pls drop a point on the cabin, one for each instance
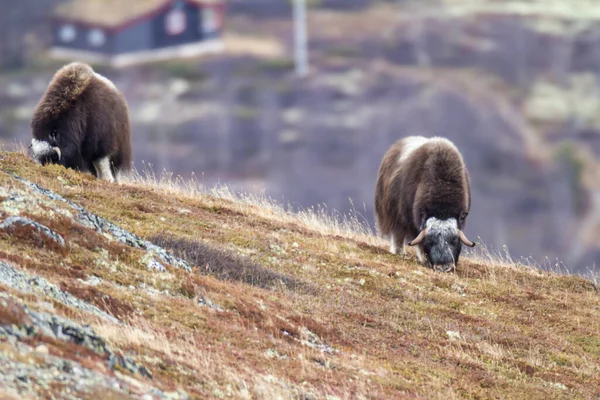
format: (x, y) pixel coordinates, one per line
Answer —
(125, 32)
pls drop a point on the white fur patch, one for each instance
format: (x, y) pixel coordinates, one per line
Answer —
(393, 247)
(443, 227)
(102, 166)
(40, 147)
(412, 143)
(106, 81)
(441, 140)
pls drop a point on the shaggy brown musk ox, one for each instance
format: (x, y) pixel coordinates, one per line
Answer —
(82, 122)
(423, 193)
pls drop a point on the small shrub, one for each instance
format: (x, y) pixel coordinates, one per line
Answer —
(225, 265)
(277, 65)
(184, 70)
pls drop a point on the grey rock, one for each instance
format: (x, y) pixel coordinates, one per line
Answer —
(91, 280)
(312, 340)
(10, 222)
(206, 302)
(27, 380)
(71, 332)
(152, 264)
(22, 281)
(100, 224)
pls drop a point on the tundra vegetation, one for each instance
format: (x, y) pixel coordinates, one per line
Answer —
(257, 302)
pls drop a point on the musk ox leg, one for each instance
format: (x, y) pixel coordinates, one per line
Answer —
(103, 171)
(121, 176)
(393, 246)
(421, 254)
(397, 240)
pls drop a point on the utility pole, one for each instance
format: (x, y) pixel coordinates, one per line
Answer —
(300, 38)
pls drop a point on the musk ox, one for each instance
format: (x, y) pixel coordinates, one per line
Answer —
(82, 122)
(422, 198)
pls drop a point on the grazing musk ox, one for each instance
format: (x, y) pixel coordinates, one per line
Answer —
(82, 122)
(422, 194)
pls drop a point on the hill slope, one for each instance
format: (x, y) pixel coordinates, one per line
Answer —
(256, 303)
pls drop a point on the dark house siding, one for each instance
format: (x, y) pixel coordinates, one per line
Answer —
(191, 33)
(208, 34)
(137, 37)
(147, 33)
(81, 39)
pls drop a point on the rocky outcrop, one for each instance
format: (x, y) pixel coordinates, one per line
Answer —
(41, 349)
(101, 225)
(25, 283)
(34, 336)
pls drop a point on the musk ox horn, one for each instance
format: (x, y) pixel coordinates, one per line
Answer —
(419, 238)
(57, 150)
(464, 239)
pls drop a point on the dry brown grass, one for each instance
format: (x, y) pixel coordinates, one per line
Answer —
(253, 46)
(377, 326)
(318, 220)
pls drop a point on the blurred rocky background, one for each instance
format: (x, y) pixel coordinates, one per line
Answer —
(515, 84)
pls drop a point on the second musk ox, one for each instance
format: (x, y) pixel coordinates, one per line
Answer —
(422, 198)
(82, 122)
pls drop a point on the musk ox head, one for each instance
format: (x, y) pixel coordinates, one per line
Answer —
(53, 145)
(46, 151)
(440, 242)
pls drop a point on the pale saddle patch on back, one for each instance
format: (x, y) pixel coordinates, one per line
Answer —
(106, 81)
(102, 166)
(411, 143)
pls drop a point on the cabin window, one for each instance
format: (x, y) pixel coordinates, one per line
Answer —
(67, 33)
(175, 22)
(210, 20)
(97, 37)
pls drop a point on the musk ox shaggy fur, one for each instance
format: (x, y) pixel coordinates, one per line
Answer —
(422, 198)
(82, 122)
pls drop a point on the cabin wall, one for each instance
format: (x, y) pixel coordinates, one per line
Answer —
(179, 24)
(210, 24)
(81, 37)
(137, 37)
(191, 33)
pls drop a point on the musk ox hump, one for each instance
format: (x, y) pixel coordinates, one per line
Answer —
(64, 89)
(412, 143)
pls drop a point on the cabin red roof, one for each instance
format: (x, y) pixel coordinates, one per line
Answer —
(115, 13)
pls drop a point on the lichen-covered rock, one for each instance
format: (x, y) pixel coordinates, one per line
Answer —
(25, 373)
(10, 223)
(23, 282)
(100, 224)
(34, 323)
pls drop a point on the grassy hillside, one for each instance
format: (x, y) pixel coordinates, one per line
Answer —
(257, 303)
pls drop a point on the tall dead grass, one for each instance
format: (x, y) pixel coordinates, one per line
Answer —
(319, 219)
(326, 222)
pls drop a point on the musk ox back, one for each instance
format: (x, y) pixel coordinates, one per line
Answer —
(422, 198)
(82, 122)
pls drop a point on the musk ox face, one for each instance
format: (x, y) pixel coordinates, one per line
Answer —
(440, 242)
(46, 151)
(48, 146)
